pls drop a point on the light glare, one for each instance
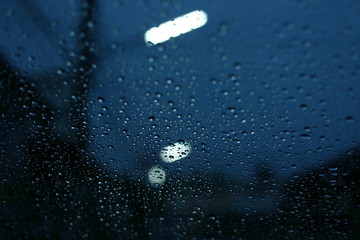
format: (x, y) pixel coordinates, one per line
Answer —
(157, 175)
(176, 27)
(175, 152)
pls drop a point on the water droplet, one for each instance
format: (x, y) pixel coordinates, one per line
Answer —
(305, 136)
(349, 119)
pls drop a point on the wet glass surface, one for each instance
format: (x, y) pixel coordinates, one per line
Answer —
(231, 120)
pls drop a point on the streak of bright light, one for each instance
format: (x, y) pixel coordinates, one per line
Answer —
(174, 28)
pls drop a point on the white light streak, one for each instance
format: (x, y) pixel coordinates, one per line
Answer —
(176, 27)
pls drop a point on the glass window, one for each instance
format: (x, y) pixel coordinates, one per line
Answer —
(180, 119)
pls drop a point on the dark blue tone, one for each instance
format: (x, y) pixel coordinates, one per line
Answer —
(267, 94)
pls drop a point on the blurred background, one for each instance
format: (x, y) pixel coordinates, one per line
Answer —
(245, 128)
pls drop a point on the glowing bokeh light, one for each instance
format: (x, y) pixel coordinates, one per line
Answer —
(175, 151)
(176, 27)
(157, 175)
